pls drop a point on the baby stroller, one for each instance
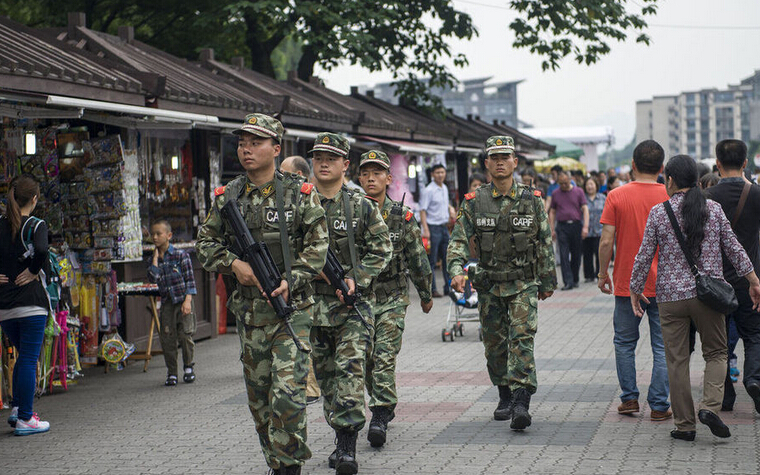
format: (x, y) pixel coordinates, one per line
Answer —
(460, 302)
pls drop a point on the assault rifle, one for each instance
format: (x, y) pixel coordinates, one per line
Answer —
(257, 255)
(336, 275)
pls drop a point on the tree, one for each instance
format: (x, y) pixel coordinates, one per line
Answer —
(409, 38)
(555, 29)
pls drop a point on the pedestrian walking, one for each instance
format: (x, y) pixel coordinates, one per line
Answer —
(624, 218)
(740, 201)
(569, 218)
(285, 214)
(595, 202)
(434, 220)
(340, 337)
(689, 228)
(172, 270)
(24, 304)
(392, 291)
(515, 270)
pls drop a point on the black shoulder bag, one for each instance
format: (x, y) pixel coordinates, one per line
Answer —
(715, 293)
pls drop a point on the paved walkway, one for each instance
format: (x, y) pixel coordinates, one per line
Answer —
(128, 423)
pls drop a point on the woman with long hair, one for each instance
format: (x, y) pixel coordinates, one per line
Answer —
(707, 232)
(23, 302)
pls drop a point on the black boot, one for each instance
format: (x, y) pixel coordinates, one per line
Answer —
(504, 410)
(345, 463)
(378, 426)
(291, 470)
(520, 416)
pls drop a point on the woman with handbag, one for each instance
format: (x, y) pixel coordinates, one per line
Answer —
(690, 233)
(23, 301)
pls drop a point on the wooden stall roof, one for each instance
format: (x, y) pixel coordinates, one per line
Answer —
(31, 60)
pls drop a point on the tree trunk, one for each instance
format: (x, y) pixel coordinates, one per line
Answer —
(261, 49)
(306, 63)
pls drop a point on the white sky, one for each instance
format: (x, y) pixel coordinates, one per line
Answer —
(678, 59)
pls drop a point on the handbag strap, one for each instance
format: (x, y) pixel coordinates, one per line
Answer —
(681, 240)
(740, 206)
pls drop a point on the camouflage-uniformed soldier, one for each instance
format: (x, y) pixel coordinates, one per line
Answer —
(516, 268)
(340, 337)
(392, 292)
(273, 366)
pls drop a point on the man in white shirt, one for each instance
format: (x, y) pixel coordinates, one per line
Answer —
(434, 217)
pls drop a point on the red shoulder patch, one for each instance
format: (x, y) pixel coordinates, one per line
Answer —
(219, 191)
(306, 188)
(408, 216)
(537, 193)
(469, 196)
(371, 198)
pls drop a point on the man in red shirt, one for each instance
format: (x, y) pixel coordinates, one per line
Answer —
(624, 219)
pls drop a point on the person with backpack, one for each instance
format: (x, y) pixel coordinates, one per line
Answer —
(24, 304)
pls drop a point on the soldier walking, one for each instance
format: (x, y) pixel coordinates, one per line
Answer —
(274, 367)
(515, 269)
(341, 336)
(392, 293)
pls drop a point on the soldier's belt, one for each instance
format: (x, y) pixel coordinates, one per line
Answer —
(509, 276)
(252, 293)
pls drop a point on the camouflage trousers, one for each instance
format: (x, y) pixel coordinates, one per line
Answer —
(339, 363)
(275, 376)
(509, 327)
(381, 355)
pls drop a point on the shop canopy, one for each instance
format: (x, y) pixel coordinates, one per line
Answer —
(564, 148)
(567, 163)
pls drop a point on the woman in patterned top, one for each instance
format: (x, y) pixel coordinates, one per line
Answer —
(707, 232)
(595, 202)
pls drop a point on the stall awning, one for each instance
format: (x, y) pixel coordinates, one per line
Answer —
(128, 109)
(403, 146)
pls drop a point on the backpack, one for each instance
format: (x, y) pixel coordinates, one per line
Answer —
(51, 269)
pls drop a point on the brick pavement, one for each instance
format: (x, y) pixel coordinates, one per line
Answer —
(128, 423)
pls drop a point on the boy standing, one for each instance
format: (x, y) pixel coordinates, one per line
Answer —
(172, 270)
(391, 289)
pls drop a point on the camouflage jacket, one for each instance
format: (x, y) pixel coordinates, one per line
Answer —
(307, 236)
(515, 220)
(373, 245)
(409, 256)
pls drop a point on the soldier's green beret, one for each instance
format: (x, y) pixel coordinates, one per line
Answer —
(333, 143)
(375, 156)
(261, 125)
(500, 144)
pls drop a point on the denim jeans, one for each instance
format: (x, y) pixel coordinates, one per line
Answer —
(748, 326)
(626, 325)
(439, 241)
(26, 335)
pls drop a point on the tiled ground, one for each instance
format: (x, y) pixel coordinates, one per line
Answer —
(128, 422)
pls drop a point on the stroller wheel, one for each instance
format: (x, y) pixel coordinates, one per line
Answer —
(461, 329)
(453, 333)
(443, 335)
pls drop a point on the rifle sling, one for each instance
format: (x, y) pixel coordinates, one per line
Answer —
(350, 231)
(278, 192)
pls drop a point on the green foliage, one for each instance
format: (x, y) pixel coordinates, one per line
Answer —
(409, 38)
(555, 29)
(615, 158)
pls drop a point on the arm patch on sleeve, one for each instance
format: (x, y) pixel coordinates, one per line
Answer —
(469, 196)
(537, 193)
(408, 216)
(219, 191)
(306, 188)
